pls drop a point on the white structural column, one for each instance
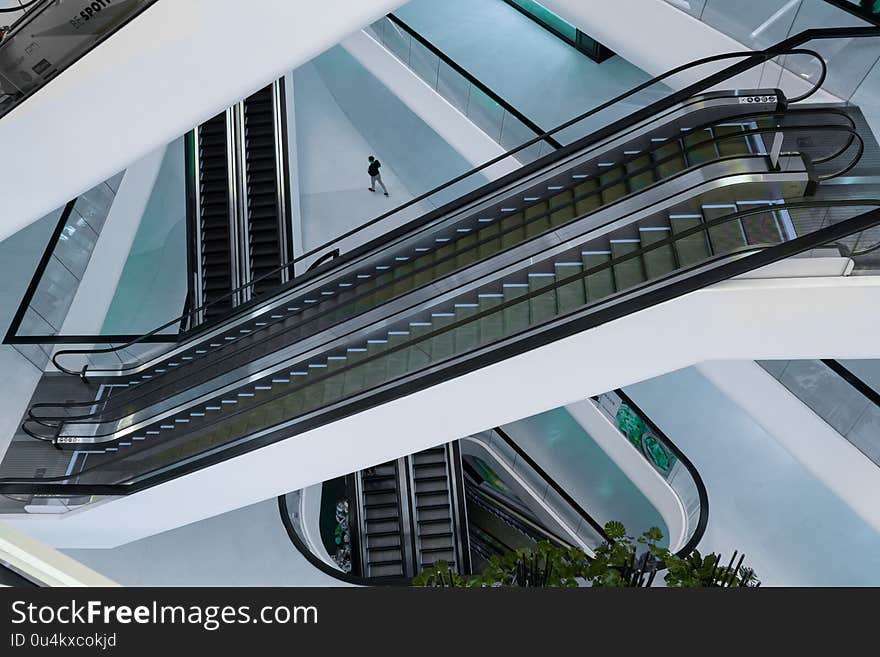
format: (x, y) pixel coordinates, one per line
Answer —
(170, 69)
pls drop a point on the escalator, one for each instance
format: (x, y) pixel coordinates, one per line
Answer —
(215, 273)
(266, 220)
(466, 503)
(671, 200)
(407, 514)
(241, 236)
(384, 540)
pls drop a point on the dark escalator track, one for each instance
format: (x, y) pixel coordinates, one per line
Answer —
(242, 233)
(267, 237)
(216, 263)
(434, 508)
(383, 539)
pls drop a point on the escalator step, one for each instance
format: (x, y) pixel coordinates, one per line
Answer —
(731, 141)
(763, 227)
(691, 249)
(628, 273)
(600, 283)
(542, 306)
(587, 197)
(572, 295)
(613, 183)
(668, 159)
(728, 235)
(537, 219)
(640, 172)
(699, 147)
(660, 260)
(516, 315)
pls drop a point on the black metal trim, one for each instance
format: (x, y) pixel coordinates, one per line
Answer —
(521, 453)
(285, 170)
(702, 493)
(847, 375)
(531, 125)
(38, 273)
(465, 561)
(190, 176)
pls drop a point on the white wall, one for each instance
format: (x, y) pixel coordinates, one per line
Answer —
(173, 67)
(740, 319)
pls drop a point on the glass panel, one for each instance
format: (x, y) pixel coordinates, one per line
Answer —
(397, 41)
(55, 293)
(485, 113)
(94, 205)
(513, 133)
(693, 7)
(754, 23)
(849, 60)
(453, 87)
(75, 245)
(424, 63)
(866, 433)
(830, 396)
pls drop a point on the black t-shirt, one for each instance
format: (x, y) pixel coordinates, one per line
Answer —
(373, 169)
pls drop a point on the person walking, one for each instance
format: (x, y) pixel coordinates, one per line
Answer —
(375, 176)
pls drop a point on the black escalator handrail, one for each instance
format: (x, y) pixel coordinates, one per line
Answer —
(700, 228)
(48, 420)
(750, 60)
(510, 109)
(852, 379)
(702, 493)
(58, 485)
(564, 494)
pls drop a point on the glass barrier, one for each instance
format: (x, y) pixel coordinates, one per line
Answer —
(849, 412)
(51, 37)
(483, 107)
(758, 24)
(58, 279)
(574, 520)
